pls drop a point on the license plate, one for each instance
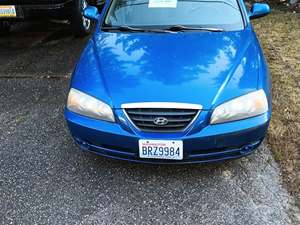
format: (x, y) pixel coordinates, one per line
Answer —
(8, 11)
(161, 149)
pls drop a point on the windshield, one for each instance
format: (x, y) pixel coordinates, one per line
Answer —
(224, 15)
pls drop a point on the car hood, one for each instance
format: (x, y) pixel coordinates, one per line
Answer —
(203, 68)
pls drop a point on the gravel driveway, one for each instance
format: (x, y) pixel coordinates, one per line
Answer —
(46, 179)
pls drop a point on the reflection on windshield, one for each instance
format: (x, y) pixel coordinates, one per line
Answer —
(208, 13)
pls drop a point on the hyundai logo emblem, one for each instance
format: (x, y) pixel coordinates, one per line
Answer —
(160, 121)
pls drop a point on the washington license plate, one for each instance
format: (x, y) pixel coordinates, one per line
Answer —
(161, 149)
(8, 11)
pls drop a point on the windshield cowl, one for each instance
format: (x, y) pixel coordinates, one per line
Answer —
(168, 29)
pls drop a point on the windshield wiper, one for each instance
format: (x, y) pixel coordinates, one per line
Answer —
(135, 29)
(183, 28)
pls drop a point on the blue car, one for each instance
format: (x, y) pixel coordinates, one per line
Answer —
(171, 81)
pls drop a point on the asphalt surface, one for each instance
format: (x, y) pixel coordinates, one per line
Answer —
(46, 179)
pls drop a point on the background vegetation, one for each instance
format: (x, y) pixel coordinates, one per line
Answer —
(279, 34)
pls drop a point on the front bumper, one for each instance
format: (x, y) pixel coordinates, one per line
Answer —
(201, 143)
(38, 11)
(60, 9)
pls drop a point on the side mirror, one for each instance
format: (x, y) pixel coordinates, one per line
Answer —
(259, 10)
(91, 12)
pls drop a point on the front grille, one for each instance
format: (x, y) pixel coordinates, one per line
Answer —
(177, 119)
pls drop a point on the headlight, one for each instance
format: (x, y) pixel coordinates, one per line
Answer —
(86, 105)
(249, 105)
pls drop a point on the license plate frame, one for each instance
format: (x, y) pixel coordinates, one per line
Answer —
(161, 149)
(8, 11)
